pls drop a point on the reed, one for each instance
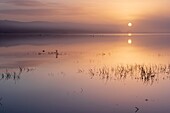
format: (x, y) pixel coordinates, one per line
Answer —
(147, 74)
(14, 73)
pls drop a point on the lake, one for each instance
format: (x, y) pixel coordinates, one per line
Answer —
(100, 73)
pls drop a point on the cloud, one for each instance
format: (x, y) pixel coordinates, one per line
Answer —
(44, 11)
(34, 7)
(22, 2)
(24, 11)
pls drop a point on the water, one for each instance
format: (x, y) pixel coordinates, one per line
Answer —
(85, 73)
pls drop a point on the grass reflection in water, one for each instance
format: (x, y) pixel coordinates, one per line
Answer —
(148, 74)
(13, 73)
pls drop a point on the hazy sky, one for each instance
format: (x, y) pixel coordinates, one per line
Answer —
(144, 14)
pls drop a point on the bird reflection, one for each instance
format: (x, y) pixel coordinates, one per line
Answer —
(148, 74)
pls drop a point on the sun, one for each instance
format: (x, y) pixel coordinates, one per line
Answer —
(130, 24)
(129, 34)
(129, 41)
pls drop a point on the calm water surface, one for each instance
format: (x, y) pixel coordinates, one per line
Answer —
(85, 74)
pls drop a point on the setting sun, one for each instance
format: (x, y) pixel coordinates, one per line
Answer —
(129, 34)
(130, 24)
(129, 41)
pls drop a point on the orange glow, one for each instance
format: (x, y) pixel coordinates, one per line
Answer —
(129, 34)
(129, 41)
(130, 24)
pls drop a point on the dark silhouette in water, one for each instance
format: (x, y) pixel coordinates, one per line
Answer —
(146, 100)
(56, 53)
(1, 101)
(82, 90)
(137, 109)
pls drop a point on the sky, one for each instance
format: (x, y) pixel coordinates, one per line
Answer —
(144, 14)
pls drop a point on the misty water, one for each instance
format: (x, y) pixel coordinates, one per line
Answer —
(48, 73)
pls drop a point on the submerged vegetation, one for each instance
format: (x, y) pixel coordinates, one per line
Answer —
(148, 74)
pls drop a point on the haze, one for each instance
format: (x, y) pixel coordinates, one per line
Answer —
(146, 15)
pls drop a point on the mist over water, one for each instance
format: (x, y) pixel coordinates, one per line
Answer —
(100, 73)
